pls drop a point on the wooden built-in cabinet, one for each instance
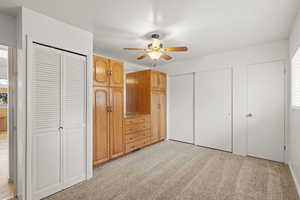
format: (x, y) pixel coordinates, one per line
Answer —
(108, 72)
(146, 94)
(101, 71)
(116, 122)
(145, 120)
(108, 139)
(162, 116)
(158, 115)
(137, 132)
(101, 120)
(158, 80)
(155, 116)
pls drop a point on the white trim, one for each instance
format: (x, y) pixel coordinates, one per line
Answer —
(294, 178)
(28, 145)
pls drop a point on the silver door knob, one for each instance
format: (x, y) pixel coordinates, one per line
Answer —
(249, 115)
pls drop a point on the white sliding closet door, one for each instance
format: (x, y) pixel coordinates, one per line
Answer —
(73, 118)
(213, 108)
(181, 108)
(55, 120)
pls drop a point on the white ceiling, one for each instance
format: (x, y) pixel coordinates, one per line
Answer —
(205, 26)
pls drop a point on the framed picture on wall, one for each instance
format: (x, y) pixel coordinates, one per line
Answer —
(3, 98)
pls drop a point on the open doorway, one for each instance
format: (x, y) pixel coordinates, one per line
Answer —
(7, 158)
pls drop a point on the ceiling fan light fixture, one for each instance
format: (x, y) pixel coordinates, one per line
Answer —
(156, 43)
(154, 55)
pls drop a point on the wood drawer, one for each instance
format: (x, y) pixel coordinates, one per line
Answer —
(137, 136)
(135, 145)
(136, 127)
(137, 120)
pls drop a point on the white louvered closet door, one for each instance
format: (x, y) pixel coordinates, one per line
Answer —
(73, 118)
(56, 120)
(44, 121)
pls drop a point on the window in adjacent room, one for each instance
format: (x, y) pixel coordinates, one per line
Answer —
(296, 80)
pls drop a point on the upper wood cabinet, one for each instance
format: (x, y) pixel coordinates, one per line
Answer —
(162, 81)
(155, 80)
(101, 71)
(116, 122)
(108, 72)
(158, 80)
(101, 125)
(117, 73)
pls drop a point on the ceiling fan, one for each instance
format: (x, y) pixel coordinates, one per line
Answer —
(155, 49)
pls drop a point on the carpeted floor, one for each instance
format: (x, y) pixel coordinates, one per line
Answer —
(172, 170)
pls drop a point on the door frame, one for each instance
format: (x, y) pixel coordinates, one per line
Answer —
(285, 101)
(26, 174)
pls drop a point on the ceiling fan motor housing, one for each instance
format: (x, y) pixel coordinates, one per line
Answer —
(155, 36)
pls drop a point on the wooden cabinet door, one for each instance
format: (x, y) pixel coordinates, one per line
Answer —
(155, 115)
(162, 81)
(162, 117)
(101, 71)
(155, 81)
(101, 125)
(116, 122)
(117, 74)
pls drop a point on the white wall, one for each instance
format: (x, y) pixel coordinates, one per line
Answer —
(8, 30)
(46, 30)
(238, 60)
(294, 115)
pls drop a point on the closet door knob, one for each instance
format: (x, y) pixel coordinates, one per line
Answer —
(61, 128)
(249, 115)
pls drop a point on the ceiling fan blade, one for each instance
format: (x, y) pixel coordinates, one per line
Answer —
(138, 49)
(142, 56)
(165, 56)
(175, 49)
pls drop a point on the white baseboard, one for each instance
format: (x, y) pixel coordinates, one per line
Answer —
(294, 178)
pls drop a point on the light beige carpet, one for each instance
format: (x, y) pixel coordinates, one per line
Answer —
(172, 170)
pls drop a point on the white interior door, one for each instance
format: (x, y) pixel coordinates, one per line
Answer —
(73, 118)
(213, 108)
(266, 111)
(181, 108)
(43, 121)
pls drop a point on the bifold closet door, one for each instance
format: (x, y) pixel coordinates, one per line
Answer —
(73, 118)
(44, 116)
(55, 120)
(213, 108)
(181, 108)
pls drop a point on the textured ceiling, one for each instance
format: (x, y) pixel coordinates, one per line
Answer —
(205, 26)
